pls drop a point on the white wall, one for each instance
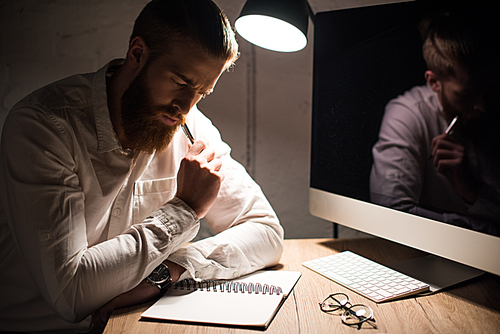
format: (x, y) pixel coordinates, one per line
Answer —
(45, 40)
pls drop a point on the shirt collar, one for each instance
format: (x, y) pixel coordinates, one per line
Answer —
(106, 136)
(433, 98)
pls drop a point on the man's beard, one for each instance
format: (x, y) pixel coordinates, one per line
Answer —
(141, 119)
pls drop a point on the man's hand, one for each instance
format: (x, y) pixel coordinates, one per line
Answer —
(199, 178)
(140, 294)
(448, 156)
(447, 152)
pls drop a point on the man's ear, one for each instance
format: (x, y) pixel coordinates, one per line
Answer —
(137, 52)
(433, 81)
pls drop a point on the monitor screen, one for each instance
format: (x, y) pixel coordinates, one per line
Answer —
(364, 58)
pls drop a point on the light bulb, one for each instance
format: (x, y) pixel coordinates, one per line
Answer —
(270, 33)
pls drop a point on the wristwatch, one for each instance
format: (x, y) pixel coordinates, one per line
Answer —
(160, 277)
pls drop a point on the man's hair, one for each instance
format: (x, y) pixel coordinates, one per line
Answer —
(455, 40)
(201, 22)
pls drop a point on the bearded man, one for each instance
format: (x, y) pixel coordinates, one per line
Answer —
(437, 151)
(100, 189)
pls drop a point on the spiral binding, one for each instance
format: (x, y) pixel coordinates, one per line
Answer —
(228, 286)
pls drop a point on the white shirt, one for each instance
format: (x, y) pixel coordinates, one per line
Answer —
(82, 220)
(403, 175)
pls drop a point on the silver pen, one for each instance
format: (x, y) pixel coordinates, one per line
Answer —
(187, 133)
(449, 129)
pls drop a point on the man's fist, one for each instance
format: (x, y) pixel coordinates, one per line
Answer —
(199, 178)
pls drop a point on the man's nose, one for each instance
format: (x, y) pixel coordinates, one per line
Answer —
(479, 105)
(186, 100)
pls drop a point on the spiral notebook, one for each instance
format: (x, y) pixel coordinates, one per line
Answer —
(250, 301)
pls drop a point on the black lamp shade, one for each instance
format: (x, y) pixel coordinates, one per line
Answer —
(294, 12)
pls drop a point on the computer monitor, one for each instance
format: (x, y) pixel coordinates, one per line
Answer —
(364, 57)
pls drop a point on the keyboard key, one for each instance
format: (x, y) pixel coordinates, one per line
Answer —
(385, 293)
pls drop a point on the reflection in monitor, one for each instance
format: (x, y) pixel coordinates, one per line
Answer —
(364, 57)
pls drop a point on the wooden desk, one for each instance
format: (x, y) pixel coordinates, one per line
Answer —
(472, 307)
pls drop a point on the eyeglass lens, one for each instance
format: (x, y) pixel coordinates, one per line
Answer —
(338, 304)
(356, 314)
(335, 302)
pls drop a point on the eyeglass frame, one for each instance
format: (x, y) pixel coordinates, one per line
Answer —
(346, 307)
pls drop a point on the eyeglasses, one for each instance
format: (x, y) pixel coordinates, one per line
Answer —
(351, 315)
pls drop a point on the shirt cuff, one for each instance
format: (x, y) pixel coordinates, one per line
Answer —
(176, 216)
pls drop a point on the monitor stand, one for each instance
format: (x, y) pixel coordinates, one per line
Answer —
(436, 271)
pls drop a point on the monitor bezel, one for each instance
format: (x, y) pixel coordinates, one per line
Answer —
(458, 244)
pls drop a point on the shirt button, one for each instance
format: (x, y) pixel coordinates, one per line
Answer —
(116, 212)
(235, 274)
(44, 237)
(197, 274)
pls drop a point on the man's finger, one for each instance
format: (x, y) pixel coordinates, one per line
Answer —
(215, 164)
(197, 148)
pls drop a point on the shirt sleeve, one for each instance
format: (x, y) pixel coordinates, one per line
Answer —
(249, 235)
(45, 208)
(398, 158)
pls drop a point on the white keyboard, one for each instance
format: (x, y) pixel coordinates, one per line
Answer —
(366, 277)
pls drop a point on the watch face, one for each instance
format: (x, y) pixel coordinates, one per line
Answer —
(160, 274)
